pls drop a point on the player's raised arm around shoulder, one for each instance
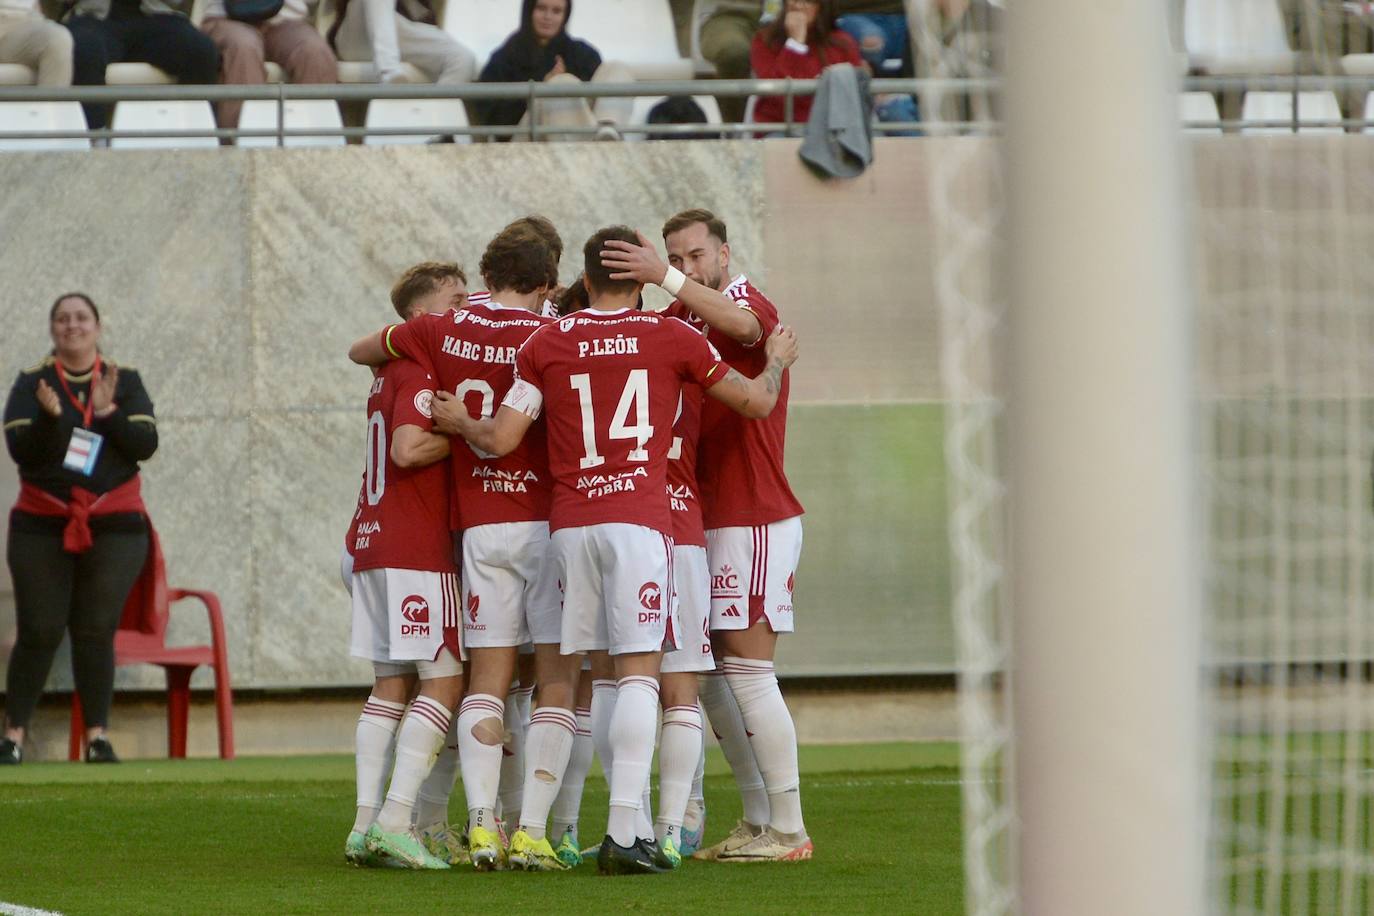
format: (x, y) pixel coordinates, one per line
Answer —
(642, 263)
(373, 350)
(496, 436)
(756, 397)
(413, 447)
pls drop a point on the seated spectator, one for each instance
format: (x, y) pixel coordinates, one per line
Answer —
(28, 38)
(725, 39)
(543, 50)
(108, 32)
(288, 39)
(879, 28)
(392, 32)
(799, 44)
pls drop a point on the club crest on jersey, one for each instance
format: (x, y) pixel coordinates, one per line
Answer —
(650, 597)
(423, 403)
(460, 316)
(415, 610)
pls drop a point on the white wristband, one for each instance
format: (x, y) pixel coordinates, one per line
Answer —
(673, 281)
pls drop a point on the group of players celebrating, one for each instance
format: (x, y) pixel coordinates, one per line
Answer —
(613, 481)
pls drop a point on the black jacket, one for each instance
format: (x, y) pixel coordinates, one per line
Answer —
(522, 60)
(38, 441)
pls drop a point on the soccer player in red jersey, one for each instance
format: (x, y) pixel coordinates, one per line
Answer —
(503, 508)
(405, 593)
(608, 381)
(753, 534)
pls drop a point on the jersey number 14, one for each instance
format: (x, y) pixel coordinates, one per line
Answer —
(634, 398)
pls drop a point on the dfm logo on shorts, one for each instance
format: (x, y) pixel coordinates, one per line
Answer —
(651, 599)
(415, 610)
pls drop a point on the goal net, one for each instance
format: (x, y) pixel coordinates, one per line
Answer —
(1279, 209)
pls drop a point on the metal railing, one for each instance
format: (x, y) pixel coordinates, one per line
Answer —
(281, 93)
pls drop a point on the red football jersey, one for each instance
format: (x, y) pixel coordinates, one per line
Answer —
(471, 352)
(608, 384)
(682, 470)
(483, 297)
(402, 517)
(740, 461)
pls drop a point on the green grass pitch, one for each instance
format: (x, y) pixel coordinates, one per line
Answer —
(265, 835)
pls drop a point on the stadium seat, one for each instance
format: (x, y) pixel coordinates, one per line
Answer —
(142, 639)
(1236, 36)
(16, 75)
(639, 114)
(299, 114)
(431, 114)
(1278, 106)
(362, 71)
(135, 74)
(637, 33)
(36, 116)
(140, 115)
(1199, 106)
(481, 26)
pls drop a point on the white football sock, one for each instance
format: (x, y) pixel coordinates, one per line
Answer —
(512, 783)
(481, 762)
(644, 817)
(632, 749)
(431, 808)
(698, 793)
(679, 750)
(417, 744)
(374, 743)
(603, 707)
(567, 807)
(773, 737)
(728, 726)
(552, 730)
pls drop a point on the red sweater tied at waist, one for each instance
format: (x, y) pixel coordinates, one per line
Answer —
(76, 537)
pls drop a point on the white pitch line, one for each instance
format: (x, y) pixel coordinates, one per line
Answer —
(14, 909)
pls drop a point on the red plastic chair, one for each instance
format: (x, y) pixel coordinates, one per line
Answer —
(141, 639)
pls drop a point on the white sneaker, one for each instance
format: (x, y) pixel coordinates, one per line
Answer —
(770, 846)
(743, 833)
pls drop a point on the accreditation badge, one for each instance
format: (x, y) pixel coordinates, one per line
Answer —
(82, 451)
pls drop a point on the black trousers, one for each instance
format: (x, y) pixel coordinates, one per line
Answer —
(56, 592)
(167, 41)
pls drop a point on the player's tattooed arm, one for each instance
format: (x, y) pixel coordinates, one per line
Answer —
(496, 436)
(642, 264)
(370, 350)
(413, 447)
(756, 397)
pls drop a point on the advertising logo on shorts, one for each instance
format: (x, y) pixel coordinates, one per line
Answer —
(423, 401)
(415, 617)
(651, 599)
(474, 601)
(786, 608)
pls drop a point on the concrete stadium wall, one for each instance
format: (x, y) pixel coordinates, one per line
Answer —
(234, 280)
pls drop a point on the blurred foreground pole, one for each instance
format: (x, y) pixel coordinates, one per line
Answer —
(1105, 517)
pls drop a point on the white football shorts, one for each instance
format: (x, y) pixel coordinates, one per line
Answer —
(617, 588)
(346, 569)
(692, 604)
(404, 615)
(752, 573)
(510, 596)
